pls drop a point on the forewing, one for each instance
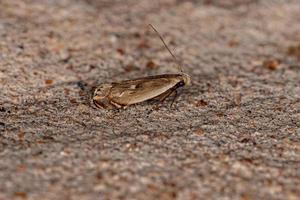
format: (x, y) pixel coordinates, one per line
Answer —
(138, 90)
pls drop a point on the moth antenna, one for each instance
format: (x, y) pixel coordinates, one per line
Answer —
(161, 38)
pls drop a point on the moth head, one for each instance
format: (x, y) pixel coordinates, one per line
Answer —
(186, 79)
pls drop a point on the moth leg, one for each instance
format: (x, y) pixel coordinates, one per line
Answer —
(97, 105)
(100, 104)
(115, 104)
(174, 98)
(170, 92)
(165, 95)
(162, 97)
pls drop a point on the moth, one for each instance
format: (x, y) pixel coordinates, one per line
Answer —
(124, 93)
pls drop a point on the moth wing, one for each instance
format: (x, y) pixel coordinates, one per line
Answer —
(135, 91)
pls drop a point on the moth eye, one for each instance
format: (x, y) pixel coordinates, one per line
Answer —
(181, 83)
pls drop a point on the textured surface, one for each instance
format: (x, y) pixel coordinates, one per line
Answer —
(233, 134)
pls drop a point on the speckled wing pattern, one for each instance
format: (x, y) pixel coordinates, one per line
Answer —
(142, 89)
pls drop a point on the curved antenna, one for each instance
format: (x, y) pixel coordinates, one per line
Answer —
(161, 38)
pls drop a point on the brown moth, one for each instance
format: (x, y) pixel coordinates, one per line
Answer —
(125, 93)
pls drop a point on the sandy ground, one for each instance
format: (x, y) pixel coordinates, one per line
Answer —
(233, 134)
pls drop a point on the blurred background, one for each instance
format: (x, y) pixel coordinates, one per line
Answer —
(233, 134)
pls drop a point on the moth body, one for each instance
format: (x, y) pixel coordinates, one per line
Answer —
(125, 93)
